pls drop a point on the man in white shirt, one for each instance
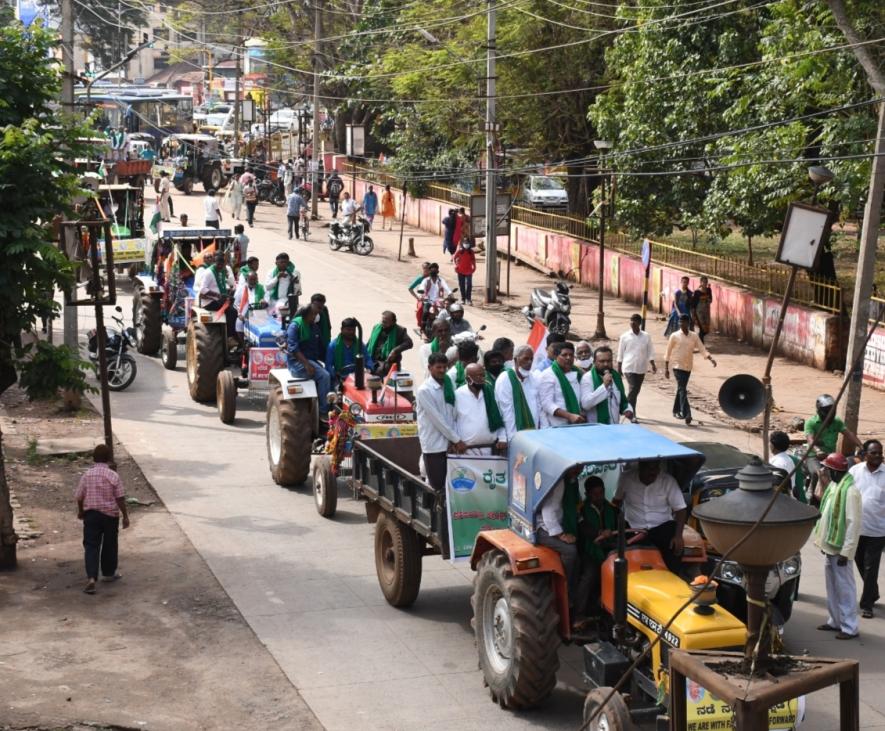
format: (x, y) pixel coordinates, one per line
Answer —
(478, 418)
(441, 342)
(283, 280)
(869, 477)
(249, 296)
(216, 286)
(635, 354)
(165, 190)
(211, 211)
(508, 387)
(551, 533)
(434, 286)
(779, 443)
(653, 502)
(435, 414)
(602, 391)
(561, 406)
(349, 209)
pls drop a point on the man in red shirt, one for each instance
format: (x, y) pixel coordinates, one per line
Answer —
(465, 265)
(100, 503)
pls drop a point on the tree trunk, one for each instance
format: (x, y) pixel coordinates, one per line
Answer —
(8, 538)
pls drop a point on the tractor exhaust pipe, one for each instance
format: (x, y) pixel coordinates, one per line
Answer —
(359, 371)
(620, 578)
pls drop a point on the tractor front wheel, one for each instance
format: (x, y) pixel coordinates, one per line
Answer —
(169, 348)
(614, 716)
(147, 321)
(289, 434)
(398, 553)
(515, 623)
(226, 397)
(325, 486)
(205, 359)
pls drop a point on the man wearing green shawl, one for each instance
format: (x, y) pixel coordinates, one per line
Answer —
(598, 525)
(559, 390)
(836, 535)
(516, 391)
(283, 282)
(435, 413)
(603, 397)
(387, 343)
(557, 527)
(468, 352)
(307, 339)
(341, 353)
(479, 421)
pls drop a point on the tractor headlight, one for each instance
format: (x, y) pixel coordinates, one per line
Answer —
(331, 397)
(792, 567)
(355, 410)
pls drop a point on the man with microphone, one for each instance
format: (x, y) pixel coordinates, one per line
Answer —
(603, 397)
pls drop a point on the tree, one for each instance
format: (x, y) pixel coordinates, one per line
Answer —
(35, 185)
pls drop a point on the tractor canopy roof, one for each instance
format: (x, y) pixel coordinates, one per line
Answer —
(539, 458)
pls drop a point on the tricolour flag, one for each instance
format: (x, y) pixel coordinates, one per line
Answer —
(538, 341)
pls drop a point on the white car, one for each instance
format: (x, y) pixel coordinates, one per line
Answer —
(285, 119)
(544, 191)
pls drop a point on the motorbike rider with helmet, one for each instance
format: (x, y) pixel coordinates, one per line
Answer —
(454, 313)
(825, 442)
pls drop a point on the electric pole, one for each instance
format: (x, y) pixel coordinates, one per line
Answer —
(237, 79)
(315, 141)
(67, 101)
(866, 266)
(491, 187)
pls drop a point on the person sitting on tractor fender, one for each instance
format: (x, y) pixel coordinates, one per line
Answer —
(597, 530)
(387, 343)
(307, 340)
(341, 353)
(283, 280)
(557, 527)
(653, 502)
(216, 286)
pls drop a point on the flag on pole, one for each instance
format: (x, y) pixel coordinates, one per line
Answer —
(154, 225)
(538, 341)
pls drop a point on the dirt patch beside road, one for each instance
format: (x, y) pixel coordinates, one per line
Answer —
(164, 648)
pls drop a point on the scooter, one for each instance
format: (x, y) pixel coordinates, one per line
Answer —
(552, 307)
(121, 365)
(355, 237)
(270, 192)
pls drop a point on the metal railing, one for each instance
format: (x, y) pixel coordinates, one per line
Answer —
(768, 279)
(877, 310)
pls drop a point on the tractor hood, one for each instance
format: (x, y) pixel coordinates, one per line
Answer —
(539, 458)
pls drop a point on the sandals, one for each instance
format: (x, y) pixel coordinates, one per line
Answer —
(90, 588)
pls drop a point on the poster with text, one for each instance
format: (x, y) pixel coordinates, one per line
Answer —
(476, 496)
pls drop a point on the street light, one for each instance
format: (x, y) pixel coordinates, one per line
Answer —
(603, 146)
(819, 176)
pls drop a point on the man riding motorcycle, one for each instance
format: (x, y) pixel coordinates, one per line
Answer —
(454, 313)
(436, 290)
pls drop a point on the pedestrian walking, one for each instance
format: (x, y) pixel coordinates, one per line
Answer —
(289, 178)
(836, 535)
(370, 205)
(294, 206)
(250, 197)
(334, 188)
(448, 224)
(869, 476)
(680, 351)
(635, 355)
(100, 503)
(700, 307)
(458, 232)
(211, 211)
(165, 189)
(388, 209)
(682, 301)
(465, 266)
(235, 197)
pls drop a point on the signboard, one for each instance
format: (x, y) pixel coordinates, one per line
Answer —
(646, 253)
(503, 204)
(705, 712)
(806, 230)
(476, 497)
(262, 360)
(126, 251)
(355, 140)
(385, 431)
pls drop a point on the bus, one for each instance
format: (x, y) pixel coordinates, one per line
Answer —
(157, 112)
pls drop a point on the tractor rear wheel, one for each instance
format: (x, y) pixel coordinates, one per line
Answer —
(205, 358)
(187, 186)
(147, 321)
(515, 623)
(615, 716)
(398, 553)
(169, 349)
(226, 397)
(325, 486)
(289, 433)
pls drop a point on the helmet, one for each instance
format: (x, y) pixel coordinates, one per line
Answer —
(456, 307)
(836, 462)
(824, 402)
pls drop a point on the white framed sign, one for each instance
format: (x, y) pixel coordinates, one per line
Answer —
(356, 140)
(806, 230)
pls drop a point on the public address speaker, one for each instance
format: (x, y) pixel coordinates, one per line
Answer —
(742, 396)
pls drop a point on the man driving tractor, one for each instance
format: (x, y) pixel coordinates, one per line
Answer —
(307, 339)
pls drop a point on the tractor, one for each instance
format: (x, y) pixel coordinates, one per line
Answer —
(520, 599)
(191, 158)
(163, 295)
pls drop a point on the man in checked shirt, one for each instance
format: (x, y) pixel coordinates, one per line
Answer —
(100, 503)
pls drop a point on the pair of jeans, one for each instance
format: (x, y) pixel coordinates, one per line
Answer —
(436, 467)
(867, 558)
(465, 284)
(333, 206)
(250, 211)
(100, 543)
(321, 377)
(634, 381)
(293, 224)
(681, 407)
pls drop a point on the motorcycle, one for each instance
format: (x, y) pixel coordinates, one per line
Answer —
(356, 237)
(270, 192)
(552, 307)
(121, 365)
(431, 311)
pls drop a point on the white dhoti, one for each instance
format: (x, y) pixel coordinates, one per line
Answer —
(841, 595)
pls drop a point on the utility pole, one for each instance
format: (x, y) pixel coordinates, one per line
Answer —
(315, 142)
(491, 187)
(67, 101)
(866, 266)
(237, 80)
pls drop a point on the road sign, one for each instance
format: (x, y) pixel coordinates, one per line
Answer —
(503, 204)
(646, 253)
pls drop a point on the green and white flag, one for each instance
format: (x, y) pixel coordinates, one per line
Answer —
(155, 220)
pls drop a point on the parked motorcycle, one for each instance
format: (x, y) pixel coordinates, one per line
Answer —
(356, 237)
(270, 192)
(552, 307)
(121, 365)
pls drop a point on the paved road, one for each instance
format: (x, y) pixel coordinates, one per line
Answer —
(307, 585)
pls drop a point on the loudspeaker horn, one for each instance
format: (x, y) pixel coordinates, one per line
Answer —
(742, 396)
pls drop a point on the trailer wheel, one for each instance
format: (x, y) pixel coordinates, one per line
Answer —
(289, 433)
(515, 624)
(226, 397)
(615, 716)
(169, 349)
(147, 321)
(398, 553)
(325, 487)
(187, 187)
(205, 358)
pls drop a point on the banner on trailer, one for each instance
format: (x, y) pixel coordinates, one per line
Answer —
(476, 498)
(705, 712)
